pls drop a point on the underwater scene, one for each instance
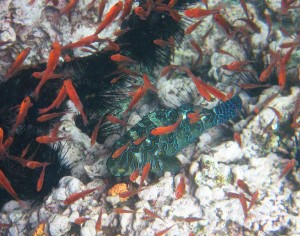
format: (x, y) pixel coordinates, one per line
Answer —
(149, 117)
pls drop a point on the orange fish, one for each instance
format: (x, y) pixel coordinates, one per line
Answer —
(281, 75)
(243, 202)
(198, 50)
(199, 84)
(95, 133)
(2, 149)
(140, 12)
(18, 62)
(145, 173)
(242, 185)
(36, 164)
(139, 140)
(122, 211)
(120, 150)
(56, 103)
(244, 6)
(8, 142)
(75, 99)
(265, 74)
(134, 175)
(39, 75)
(253, 199)
(234, 195)
(236, 66)
(25, 150)
(82, 42)
(225, 25)
(253, 86)
(136, 97)
(49, 139)
(172, 3)
(269, 22)
(68, 7)
(162, 130)
(99, 222)
(47, 117)
(160, 233)
(55, 129)
(238, 139)
(121, 58)
(25, 105)
(81, 220)
(51, 65)
(215, 92)
(289, 166)
(192, 27)
(129, 193)
(76, 196)
(199, 12)
(109, 17)
(180, 190)
(101, 9)
(151, 214)
(4, 182)
(115, 120)
(127, 9)
(41, 179)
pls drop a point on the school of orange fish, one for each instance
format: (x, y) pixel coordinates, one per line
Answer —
(277, 62)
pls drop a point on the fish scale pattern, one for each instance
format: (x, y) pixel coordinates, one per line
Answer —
(160, 150)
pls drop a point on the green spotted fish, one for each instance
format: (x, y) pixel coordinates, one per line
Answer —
(160, 150)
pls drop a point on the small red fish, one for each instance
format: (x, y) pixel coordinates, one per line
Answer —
(95, 133)
(99, 222)
(127, 9)
(243, 202)
(139, 140)
(36, 164)
(51, 65)
(76, 196)
(289, 166)
(134, 175)
(244, 6)
(121, 58)
(180, 190)
(41, 179)
(145, 173)
(238, 139)
(71, 92)
(123, 211)
(4, 182)
(25, 105)
(115, 120)
(160, 233)
(68, 7)
(57, 101)
(199, 12)
(18, 62)
(101, 9)
(139, 11)
(80, 220)
(39, 75)
(236, 66)
(51, 116)
(253, 86)
(109, 17)
(172, 3)
(242, 185)
(253, 199)
(163, 130)
(151, 214)
(225, 25)
(120, 150)
(49, 139)
(82, 42)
